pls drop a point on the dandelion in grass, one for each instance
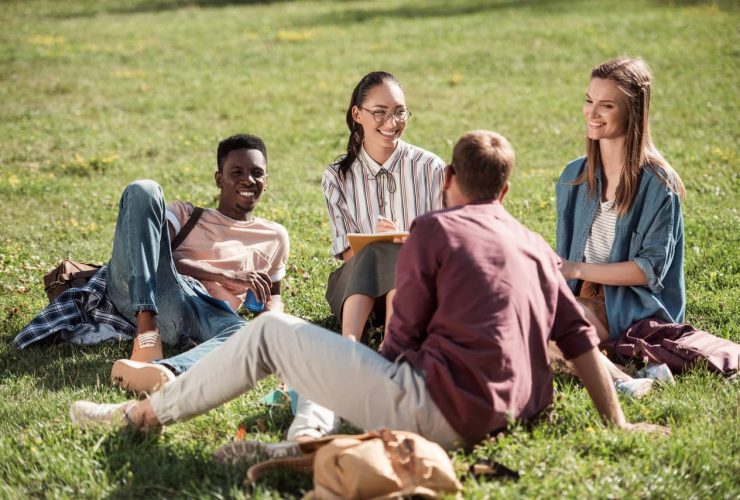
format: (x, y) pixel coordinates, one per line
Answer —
(294, 36)
(47, 40)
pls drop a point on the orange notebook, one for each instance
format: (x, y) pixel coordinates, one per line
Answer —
(358, 241)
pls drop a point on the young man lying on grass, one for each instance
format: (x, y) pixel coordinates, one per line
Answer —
(191, 291)
(478, 297)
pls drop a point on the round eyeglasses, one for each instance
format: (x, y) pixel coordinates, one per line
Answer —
(382, 116)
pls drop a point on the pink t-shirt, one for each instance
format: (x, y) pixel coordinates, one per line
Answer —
(255, 245)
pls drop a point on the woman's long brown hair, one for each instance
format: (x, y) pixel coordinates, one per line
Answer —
(632, 76)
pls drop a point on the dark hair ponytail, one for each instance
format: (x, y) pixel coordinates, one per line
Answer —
(356, 135)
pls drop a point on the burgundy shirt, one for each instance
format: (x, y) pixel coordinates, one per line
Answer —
(477, 298)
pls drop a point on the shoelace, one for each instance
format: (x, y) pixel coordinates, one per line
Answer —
(147, 340)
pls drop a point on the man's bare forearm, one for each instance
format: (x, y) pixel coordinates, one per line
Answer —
(598, 383)
(200, 270)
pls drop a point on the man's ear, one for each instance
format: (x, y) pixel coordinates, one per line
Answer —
(448, 180)
(219, 177)
(504, 190)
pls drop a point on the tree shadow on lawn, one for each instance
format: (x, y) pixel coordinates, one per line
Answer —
(437, 8)
(154, 6)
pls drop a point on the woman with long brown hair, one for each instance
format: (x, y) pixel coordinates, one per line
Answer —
(620, 229)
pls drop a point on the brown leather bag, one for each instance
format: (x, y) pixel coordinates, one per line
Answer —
(380, 464)
(70, 274)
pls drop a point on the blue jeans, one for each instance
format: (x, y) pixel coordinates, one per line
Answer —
(142, 277)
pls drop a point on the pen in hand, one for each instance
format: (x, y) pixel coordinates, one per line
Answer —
(385, 225)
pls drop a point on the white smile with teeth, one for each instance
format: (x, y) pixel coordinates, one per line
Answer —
(247, 194)
(596, 124)
(388, 133)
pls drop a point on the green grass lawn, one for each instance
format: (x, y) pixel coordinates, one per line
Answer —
(95, 94)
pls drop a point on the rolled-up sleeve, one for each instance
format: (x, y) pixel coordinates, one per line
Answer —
(653, 252)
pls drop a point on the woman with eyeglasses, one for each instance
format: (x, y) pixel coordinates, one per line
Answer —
(620, 228)
(380, 185)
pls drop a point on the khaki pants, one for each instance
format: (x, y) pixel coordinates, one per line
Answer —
(347, 377)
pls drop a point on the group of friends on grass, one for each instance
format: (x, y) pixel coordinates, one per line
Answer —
(476, 307)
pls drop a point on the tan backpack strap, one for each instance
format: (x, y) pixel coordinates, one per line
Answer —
(189, 225)
(300, 464)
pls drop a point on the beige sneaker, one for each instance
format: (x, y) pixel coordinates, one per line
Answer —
(147, 347)
(89, 414)
(634, 387)
(140, 377)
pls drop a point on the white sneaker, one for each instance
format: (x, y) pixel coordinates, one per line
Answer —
(140, 377)
(312, 421)
(634, 387)
(659, 373)
(88, 414)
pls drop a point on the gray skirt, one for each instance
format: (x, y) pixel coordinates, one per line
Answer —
(371, 272)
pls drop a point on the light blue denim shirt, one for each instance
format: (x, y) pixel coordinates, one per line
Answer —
(650, 234)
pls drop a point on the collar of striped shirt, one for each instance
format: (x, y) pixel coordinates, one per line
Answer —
(390, 164)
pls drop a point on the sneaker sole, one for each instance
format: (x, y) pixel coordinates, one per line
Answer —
(139, 379)
(240, 452)
(255, 451)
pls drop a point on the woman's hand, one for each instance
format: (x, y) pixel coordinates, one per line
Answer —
(569, 269)
(385, 225)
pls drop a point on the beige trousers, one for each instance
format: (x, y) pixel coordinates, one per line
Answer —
(344, 376)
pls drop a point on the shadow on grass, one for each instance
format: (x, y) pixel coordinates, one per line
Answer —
(164, 466)
(56, 365)
(329, 322)
(143, 465)
(367, 12)
(154, 6)
(437, 8)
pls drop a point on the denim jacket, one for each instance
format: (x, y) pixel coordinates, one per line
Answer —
(650, 234)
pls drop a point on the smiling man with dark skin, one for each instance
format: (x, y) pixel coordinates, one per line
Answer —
(195, 289)
(242, 180)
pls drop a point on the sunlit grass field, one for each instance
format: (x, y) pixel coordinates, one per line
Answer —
(95, 94)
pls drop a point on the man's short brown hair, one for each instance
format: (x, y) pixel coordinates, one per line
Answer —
(482, 161)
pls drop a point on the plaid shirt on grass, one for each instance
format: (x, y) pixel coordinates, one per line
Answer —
(78, 309)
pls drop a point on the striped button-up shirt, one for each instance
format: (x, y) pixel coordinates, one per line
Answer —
(407, 185)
